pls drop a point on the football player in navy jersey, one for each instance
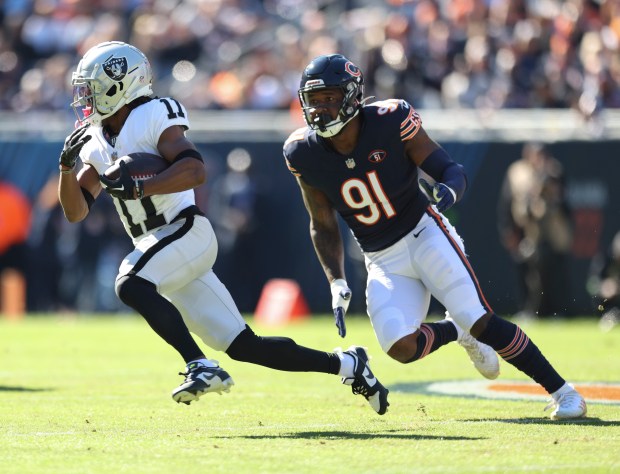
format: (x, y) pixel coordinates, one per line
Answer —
(168, 277)
(360, 160)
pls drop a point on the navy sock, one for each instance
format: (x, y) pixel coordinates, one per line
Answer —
(432, 336)
(513, 345)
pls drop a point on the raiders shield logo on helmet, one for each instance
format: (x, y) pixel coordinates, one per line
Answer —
(115, 68)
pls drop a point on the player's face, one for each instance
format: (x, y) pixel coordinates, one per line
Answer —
(325, 102)
(82, 101)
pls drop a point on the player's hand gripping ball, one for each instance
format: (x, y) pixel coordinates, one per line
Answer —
(126, 174)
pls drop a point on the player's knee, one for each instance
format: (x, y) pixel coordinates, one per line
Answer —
(244, 346)
(274, 352)
(404, 349)
(130, 289)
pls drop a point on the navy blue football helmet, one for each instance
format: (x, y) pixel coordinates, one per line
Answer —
(330, 71)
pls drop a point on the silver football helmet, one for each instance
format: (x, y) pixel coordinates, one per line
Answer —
(109, 76)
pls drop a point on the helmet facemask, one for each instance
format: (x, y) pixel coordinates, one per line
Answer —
(83, 101)
(109, 76)
(323, 123)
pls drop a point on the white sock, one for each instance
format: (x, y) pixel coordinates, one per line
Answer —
(563, 389)
(459, 330)
(347, 365)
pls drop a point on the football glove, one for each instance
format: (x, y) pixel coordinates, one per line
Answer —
(73, 145)
(341, 297)
(441, 195)
(122, 187)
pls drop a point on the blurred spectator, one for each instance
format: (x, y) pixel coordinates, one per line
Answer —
(231, 210)
(246, 54)
(535, 227)
(72, 267)
(242, 54)
(604, 283)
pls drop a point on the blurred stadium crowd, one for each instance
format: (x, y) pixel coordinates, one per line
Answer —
(248, 54)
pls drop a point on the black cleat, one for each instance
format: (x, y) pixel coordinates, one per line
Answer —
(200, 379)
(365, 383)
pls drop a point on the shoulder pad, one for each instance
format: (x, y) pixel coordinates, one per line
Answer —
(401, 111)
(296, 136)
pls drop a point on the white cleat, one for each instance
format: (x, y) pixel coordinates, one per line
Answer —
(567, 404)
(483, 357)
(364, 382)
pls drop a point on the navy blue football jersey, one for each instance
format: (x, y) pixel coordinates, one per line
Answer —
(374, 188)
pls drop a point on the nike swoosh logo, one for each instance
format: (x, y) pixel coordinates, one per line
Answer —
(370, 378)
(419, 232)
(207, 376)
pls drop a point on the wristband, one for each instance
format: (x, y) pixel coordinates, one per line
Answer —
(70, 170)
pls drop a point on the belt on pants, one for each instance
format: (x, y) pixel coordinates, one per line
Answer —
(158, 220)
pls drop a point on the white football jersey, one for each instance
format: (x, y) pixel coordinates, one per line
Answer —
(141, 133)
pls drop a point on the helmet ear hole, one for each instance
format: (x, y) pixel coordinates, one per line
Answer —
(111, 91)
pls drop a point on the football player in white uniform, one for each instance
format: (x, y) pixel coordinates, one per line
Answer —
(168, 277)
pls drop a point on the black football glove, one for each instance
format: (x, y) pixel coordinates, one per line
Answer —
(73, 145)
(122, 187)
(441, 195)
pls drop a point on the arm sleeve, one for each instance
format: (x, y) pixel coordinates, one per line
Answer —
(442, 169)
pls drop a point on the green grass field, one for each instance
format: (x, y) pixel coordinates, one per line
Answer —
(92, 395)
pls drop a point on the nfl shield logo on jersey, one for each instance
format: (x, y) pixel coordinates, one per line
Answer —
(350, 163)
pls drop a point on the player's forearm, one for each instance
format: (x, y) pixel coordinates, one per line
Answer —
(330, 251)
(71, 198)
(184, 175)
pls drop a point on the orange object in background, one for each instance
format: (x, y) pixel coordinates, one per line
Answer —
(15, 213)
(12, 294)
(14, 216)
(281, 302)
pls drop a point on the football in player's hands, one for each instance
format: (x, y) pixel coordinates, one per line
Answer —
(140, 166)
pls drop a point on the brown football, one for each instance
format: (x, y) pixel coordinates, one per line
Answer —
(141, 165)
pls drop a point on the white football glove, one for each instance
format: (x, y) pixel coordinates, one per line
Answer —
(341, 297)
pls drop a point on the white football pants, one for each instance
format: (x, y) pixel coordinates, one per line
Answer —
(430, 260)
(178, 259)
